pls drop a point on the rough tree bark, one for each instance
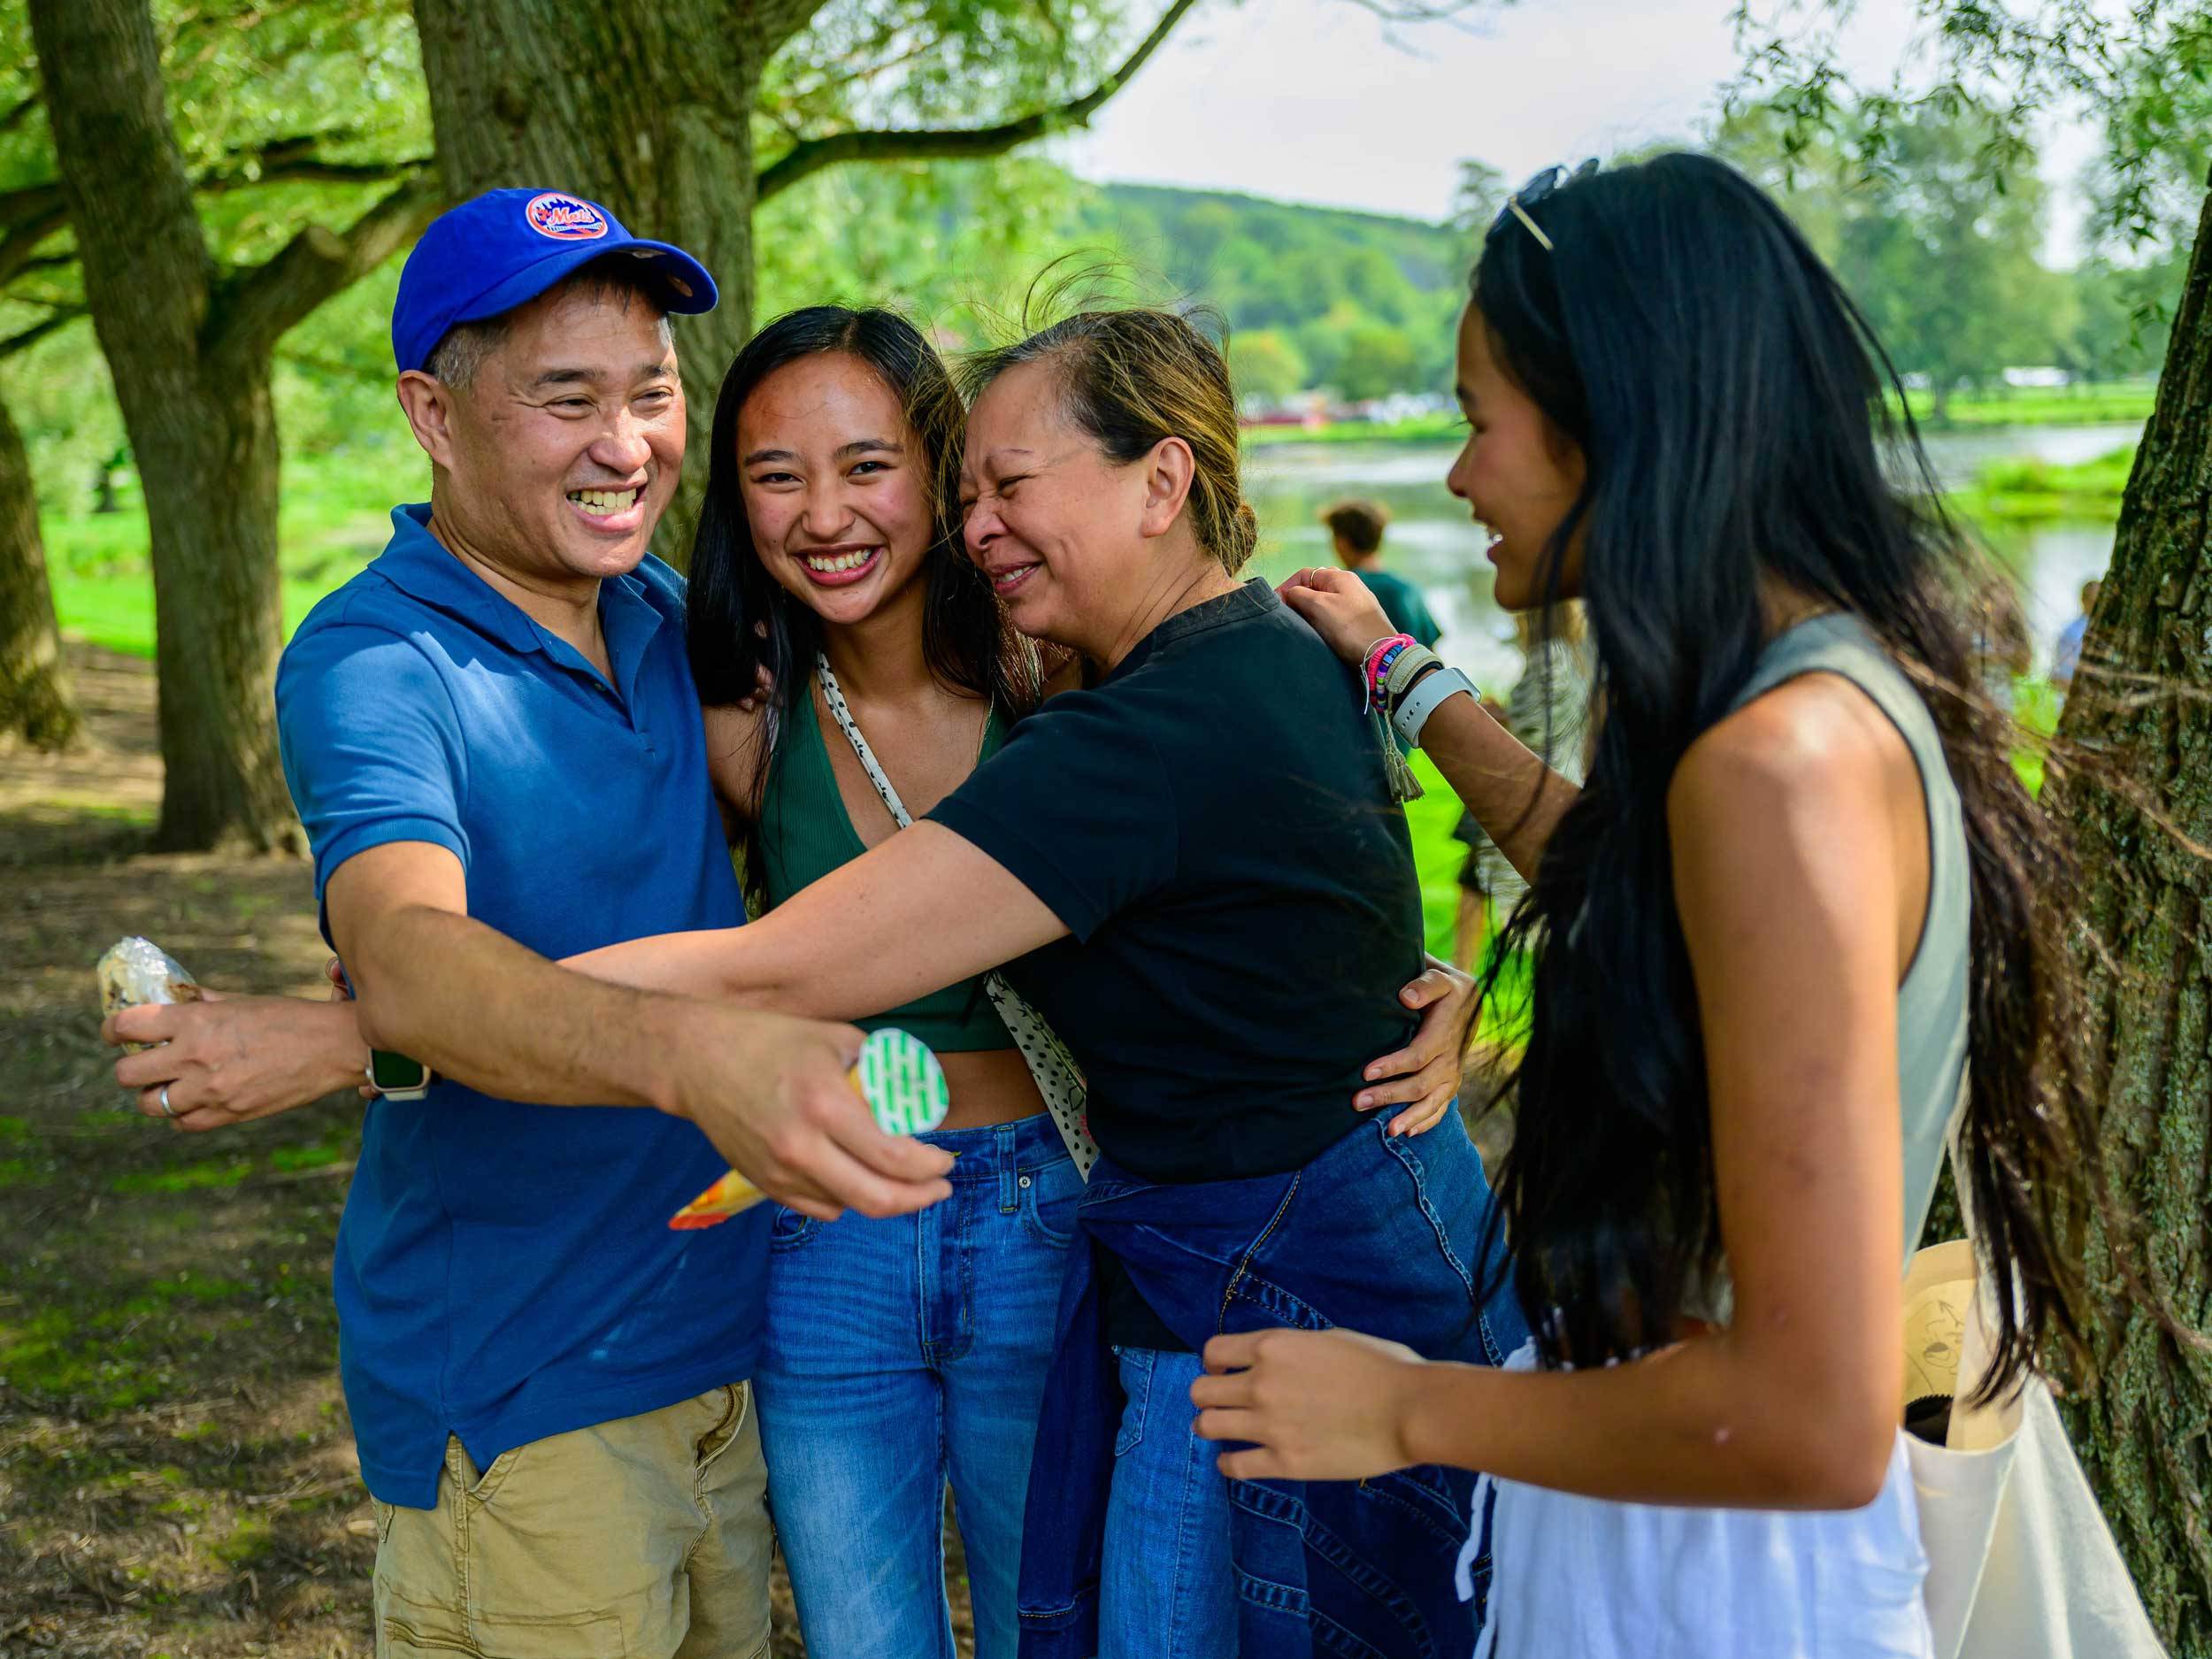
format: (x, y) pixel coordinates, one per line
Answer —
(190, 349)
(38, 704)
(647, 105)
(2141, 808)
(37, 701)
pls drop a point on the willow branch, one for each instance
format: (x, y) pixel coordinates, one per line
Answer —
(810, 157)
(37, 332)
(19, 111)
(256, 307)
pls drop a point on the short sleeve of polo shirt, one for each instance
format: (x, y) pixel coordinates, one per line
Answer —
(372, 744)
(1077, 807)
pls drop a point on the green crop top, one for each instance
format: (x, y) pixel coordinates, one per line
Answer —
(805, 832)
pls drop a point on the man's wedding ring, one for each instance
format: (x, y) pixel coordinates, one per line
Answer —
(162, 1101)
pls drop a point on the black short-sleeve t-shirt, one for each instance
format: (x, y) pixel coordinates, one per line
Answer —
(1213, 822)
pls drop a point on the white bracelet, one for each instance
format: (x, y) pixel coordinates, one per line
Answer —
(1422, 701)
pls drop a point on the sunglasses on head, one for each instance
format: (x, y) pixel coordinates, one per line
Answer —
(1535, 190)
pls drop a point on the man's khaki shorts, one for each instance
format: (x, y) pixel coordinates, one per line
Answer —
(646, 1538)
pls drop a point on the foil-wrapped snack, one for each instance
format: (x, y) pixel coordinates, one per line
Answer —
(136, 970)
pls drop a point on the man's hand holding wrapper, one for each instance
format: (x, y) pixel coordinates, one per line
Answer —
(904, 1087)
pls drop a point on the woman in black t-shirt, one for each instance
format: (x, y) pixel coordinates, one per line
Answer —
(1196, 869)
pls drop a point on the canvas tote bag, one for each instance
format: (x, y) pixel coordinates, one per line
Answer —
(2021, 1565)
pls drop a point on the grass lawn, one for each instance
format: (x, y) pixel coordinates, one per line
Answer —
(2059, 406)
(334, 516)
(2029, 491)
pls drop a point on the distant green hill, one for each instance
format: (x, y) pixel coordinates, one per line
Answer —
(1361, 303)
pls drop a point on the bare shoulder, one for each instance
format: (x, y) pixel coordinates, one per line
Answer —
(1816, 746)
(734, 736)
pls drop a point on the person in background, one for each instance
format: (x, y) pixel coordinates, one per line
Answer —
(2004, 653)
(1355, 528)
(2066, 659)
(1549, 709)
(1802, 929)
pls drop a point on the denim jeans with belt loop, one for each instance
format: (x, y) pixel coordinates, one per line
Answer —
(902, 1353)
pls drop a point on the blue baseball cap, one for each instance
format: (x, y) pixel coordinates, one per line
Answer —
(504, 248)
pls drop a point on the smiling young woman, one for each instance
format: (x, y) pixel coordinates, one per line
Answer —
(1800, 929)
(898, 1353)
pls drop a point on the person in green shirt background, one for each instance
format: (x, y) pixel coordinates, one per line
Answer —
(1356, 526)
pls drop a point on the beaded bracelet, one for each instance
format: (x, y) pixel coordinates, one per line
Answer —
(1380, 655)
(1404, 669)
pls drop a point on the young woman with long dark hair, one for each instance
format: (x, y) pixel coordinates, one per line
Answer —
(829, 593)
(829, 567)
(1801, 927)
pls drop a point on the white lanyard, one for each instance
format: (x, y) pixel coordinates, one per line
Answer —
(1058, 1078)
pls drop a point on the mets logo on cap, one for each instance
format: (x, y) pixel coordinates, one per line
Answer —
(564, 217)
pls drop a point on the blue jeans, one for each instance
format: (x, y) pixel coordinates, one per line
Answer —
(1378, 1233)
(1168, 1585)
(900, 1353)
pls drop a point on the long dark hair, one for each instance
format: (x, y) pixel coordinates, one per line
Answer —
(738, 619)
(1734, 411)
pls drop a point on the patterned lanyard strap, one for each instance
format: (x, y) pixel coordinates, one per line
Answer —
(1058, 1078)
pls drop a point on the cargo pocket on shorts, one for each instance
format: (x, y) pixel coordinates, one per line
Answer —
(407, 1631)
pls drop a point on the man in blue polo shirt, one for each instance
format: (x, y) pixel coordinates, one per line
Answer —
(494, 743)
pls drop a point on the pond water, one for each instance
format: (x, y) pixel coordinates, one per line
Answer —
(1432, 541)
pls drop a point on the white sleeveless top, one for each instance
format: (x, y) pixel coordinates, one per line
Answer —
(1598, 1580)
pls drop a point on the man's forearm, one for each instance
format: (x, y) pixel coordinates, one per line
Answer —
(1514, 796)
(477, 1007)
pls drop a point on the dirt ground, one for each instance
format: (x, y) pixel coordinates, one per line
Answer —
(176, 1471)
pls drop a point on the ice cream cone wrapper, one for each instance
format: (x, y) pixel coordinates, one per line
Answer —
(136, 970)
(904, 1087)
(726, 1198)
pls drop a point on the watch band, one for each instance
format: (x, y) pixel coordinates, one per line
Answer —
(1422, 701)
(418, 1090)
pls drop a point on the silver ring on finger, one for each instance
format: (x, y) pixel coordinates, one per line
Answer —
(162, 1101)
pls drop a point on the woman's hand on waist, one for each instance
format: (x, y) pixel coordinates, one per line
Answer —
(1314, 1405)
(1424, 1075)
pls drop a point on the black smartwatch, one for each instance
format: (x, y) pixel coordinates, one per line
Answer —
(395, 1077)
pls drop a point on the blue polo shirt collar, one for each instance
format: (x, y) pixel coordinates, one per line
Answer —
(420, 565)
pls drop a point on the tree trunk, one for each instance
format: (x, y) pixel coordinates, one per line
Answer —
(191, 356)
(203, 433)
(645, 105)
(2140, 801)
(36, 703)
(212, 500)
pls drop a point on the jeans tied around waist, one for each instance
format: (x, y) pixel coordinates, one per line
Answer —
(1379, 1234)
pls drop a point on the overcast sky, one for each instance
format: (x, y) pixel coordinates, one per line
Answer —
(1320, 101)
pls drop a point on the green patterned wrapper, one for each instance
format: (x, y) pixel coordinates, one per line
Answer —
(903, 1084)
